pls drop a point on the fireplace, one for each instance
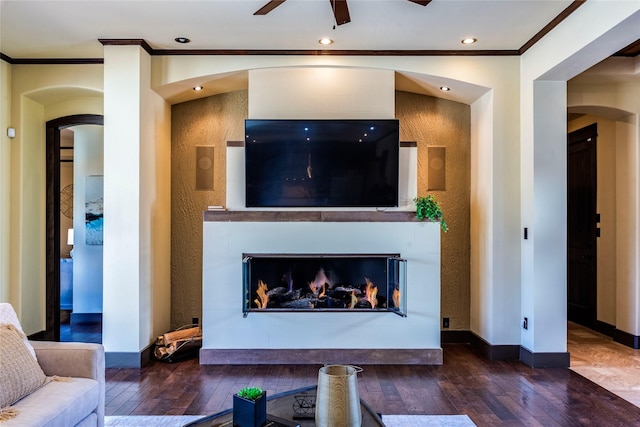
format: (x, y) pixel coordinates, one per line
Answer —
(236, 331)
(324, 282)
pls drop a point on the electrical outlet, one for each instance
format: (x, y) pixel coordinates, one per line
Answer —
(525, 323)
(195, 320)
(445, 322)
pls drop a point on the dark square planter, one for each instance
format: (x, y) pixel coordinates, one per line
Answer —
(250, 413)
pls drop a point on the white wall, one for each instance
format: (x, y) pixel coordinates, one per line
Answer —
(137, 211)
(321, 93)
(87, 259)
(628, 225)
(121, 320)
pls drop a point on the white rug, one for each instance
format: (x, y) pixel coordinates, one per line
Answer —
(149, 420)
(427, 421)
(389, 421)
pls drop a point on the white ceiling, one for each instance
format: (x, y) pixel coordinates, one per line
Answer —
(54, 29)
(71, 29)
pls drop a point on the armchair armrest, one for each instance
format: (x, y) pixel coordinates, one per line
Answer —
(70, 359)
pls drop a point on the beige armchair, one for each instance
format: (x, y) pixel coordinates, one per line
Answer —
(76, 397)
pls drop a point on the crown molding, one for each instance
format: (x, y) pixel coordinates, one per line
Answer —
(332, 52)
(50, 61)
(128, 42)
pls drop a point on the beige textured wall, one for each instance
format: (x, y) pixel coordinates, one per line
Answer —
(220, 118)
(208, 121)
(437, 122)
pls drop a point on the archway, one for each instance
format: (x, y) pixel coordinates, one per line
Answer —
(617, 197)
(52, 292)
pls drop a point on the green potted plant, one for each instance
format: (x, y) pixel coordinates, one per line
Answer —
(250, 407)
(427, 207)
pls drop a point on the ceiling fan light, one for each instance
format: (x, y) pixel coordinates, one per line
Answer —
(469, 40)
(325, 41)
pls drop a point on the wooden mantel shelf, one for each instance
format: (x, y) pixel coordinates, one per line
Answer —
(309, 216)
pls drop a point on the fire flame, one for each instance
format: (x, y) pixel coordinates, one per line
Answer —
(263, 298)
(319, 282)
(354, 299)
(371, 293)
(396, 298)
(324, 290)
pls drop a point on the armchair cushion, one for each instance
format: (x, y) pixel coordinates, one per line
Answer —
(59, 404)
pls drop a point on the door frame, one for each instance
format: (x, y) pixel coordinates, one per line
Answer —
(52, 291)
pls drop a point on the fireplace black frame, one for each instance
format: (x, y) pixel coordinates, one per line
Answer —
(395, 270)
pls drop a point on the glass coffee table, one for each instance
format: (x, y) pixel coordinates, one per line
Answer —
(294, 408)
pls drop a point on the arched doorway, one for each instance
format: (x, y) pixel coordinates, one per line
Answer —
(52, 293)
(617, 189)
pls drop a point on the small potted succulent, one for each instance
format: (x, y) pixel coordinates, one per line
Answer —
(250, 407)
(427, 207)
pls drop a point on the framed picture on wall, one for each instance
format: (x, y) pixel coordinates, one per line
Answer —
(94, 206)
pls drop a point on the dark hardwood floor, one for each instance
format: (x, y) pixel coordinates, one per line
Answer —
(490, 393)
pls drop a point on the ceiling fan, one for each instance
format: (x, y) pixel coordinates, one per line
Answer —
(339, 7)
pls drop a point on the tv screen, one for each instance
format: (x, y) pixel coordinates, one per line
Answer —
(321, 163)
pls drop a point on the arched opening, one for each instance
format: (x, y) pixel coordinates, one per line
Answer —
(52, 293)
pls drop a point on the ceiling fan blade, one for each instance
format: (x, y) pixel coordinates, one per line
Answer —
(421, 2)
(340, 11)
(272, 4)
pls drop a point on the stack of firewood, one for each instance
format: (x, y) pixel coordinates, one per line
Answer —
(169, 343)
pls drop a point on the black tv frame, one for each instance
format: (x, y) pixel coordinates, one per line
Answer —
(315, 163)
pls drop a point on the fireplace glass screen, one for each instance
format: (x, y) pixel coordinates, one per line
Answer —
(359, 283)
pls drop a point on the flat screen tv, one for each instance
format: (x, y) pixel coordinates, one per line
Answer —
(322, 163)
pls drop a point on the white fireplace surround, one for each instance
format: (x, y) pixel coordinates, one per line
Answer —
(225, 330)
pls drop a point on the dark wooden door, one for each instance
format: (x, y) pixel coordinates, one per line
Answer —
(581, 226)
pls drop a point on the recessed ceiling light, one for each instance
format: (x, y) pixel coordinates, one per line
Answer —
(469, 40)
(325, 41)
(182, 40)
(197, 88)
(445, 88)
